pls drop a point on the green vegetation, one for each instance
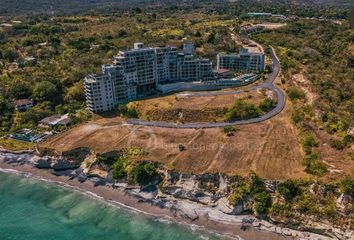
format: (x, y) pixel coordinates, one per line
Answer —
(240, 189)
(255, 187)
(181, 147)
(128, 112)
(242, 110)
(312, 161)
(230, 130)
(144, 172)
(119, 168)
(289, 190)
(295, 93)
(309, 142)
(67, 48)
(347, 185)
(267, 104)
(262, 198)
(15, 145)
(297, 199)
(128, 165)
(322, 52)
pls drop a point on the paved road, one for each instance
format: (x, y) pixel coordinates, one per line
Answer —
(267, 84)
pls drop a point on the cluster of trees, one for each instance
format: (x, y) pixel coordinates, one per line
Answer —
(246, 110)
(296, 198)
(252, 186)
(321, 51)
(67, 48)
(126, 166)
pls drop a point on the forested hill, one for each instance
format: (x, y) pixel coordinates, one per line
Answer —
(29, 7)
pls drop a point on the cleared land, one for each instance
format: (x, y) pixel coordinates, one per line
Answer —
(184, 108)
(269, 148)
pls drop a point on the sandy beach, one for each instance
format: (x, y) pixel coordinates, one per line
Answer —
(123, 200)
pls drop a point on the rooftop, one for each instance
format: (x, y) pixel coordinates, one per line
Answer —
(56, 120)
(21, 102)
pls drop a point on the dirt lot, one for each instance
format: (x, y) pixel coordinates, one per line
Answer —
(182, 108)
(270, 148)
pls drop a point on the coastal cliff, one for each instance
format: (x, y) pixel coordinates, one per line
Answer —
(214, 196)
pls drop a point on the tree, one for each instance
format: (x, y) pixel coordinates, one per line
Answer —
(10, 54)
(263, 201)
(20, 90)
(46, 91)
(75, 93)
(242, 110)
(295, 93)
(261, 196)
(144, 173)
(267, 104)
(289, 189)
(6, 111)
(119, 168)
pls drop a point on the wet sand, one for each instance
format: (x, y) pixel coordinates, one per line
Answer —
(121, 199)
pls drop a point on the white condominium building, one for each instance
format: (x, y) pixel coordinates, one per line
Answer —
(136, 72)
(243, 62)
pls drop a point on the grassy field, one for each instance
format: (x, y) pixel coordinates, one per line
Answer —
(184, 108)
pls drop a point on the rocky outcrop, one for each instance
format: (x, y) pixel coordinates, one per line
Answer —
(43, 163)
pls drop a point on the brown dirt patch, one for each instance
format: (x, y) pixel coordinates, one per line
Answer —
(175, 108)
(269, 148)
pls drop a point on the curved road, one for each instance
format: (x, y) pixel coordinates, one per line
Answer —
(268, 84)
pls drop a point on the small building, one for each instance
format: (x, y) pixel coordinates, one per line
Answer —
(22, 104)
(249, 28)
(223, 73)
(55, 120)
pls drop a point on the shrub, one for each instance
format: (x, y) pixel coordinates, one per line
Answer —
(337, 144)
(289, 189)
(262, 198)
(106, 159)
(313, 165)
(263, 201)
(119, 168)
(283, 210)
(129, 112)
(144, 173)
(181, 147)
(239, 191)
(308, 143)
(295, 93)
(297, 116)
(267, 104)
(308, 205)
(348, 139)
(347, 185)
(229, 131)
(242, 110)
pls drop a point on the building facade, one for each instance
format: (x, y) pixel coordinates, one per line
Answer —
(136, 73)
(243, 62)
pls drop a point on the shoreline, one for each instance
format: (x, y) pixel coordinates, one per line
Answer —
(119, 198)
(162, 206)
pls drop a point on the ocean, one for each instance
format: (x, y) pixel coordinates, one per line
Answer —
(32, 209)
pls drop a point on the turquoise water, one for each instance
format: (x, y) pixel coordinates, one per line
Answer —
(34, 210)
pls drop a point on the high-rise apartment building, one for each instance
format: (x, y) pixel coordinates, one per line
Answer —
(136, 72)
(243, 62)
